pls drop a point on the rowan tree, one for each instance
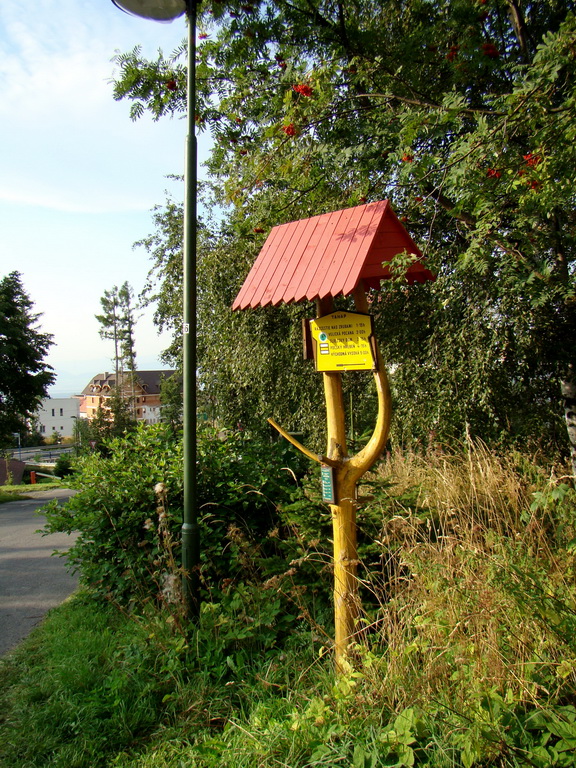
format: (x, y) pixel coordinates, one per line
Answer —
(459, 112)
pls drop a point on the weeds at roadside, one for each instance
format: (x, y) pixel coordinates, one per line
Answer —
(6, 496)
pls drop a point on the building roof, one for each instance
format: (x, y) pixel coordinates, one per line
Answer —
(149, 381)
(152, 380)
(328, 255)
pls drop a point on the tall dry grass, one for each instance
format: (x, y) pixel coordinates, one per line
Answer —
(471, 572)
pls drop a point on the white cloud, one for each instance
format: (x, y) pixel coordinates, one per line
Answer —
(61, 125)
(78, 177)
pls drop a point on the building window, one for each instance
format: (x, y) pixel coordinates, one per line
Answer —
(61, 413)
(53, 412)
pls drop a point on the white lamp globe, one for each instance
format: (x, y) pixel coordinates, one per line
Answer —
(157, 10)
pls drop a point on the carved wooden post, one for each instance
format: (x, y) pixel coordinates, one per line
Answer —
(339, 253)
(347, 473)
(346, 601)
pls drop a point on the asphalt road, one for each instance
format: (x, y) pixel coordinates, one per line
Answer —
(31, 580)
(41, 454)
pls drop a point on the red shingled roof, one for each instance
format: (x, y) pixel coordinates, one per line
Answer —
(328, 255)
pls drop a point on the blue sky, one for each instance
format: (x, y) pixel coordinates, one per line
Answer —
(78, 178)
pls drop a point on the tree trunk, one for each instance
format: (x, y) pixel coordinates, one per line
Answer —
(568, 389)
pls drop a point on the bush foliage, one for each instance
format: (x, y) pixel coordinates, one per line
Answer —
(128, 511)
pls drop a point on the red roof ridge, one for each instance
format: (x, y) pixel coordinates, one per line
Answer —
(328, 255)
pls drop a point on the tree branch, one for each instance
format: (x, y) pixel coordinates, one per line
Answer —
(428, 104)
(519, 26)
(471, 221)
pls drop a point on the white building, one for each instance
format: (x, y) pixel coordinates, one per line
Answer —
(58, 414)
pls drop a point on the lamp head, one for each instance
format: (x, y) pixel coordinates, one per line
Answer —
(157, 10)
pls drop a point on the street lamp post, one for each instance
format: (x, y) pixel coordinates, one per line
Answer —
(168, 10)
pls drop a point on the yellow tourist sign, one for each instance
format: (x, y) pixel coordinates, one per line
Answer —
(343, 342)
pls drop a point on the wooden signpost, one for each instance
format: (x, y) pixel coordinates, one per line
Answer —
(341, 253)
(343, 341)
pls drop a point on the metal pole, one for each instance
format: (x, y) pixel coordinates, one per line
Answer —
(167, 11)
(190, 530)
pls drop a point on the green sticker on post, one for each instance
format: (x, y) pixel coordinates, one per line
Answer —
(327, 477)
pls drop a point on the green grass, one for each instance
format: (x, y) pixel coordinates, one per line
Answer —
(78, 689)
(93, 686)
(7, 495)
(468, 659)
(17, 492)
(43, 484)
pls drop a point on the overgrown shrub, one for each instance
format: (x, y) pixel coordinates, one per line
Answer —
(118, 514)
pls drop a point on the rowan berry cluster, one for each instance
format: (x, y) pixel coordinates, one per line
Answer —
(453, 52)
(303, 90)
(531, 160)
(490, 50)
